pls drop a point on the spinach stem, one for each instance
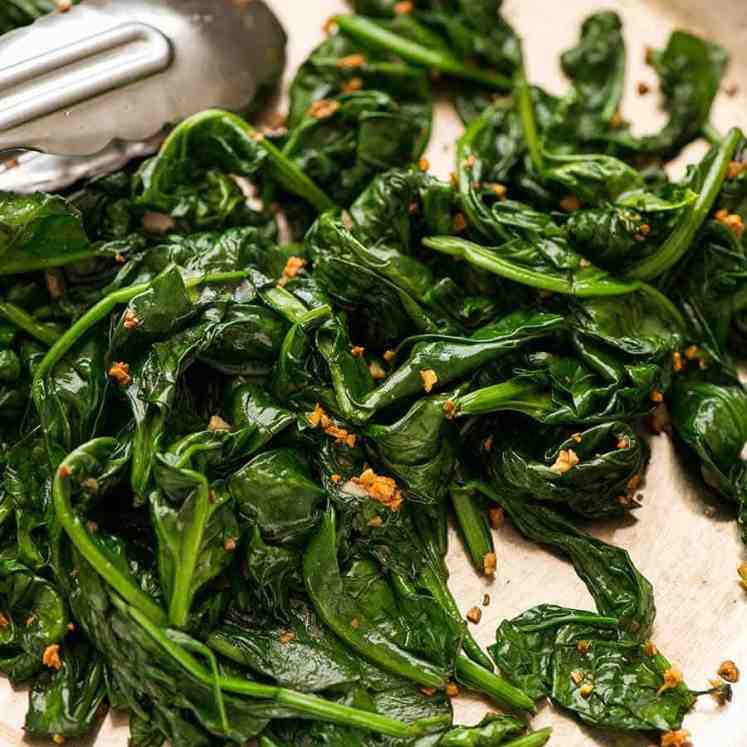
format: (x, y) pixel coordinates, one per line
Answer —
(188, 553)
(520, 394)
(294, 180)
(526, 112)
(27, 323)
(478, 678)
(374, 34)
(440, 591)
(711, 134)
(588, 618)
(739, 301)
(487, 258)
(535, 739)
(308, 705)
(473, 525)
(197, 647)
(32, 264)
(75, 529)
(681, 238)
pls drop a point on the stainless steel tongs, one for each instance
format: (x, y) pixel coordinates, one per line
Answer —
(82, 92)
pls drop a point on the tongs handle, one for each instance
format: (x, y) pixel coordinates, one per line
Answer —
(79, 71)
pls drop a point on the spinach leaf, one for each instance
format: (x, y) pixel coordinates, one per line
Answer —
(618, 588)
(298, 652)
(338, 65)
(707, 180)
(596, 69)
(195, 526)
(28, 490)
(39, 231)
(275, 492)
(360, 134)
(347, 615)
(67, 702)
(611, 457)
(690, 70)
(710, 418)
(36, 621)
(72, 398)
(581, 661)
(218, 143)
(709, 287)
(452, 358)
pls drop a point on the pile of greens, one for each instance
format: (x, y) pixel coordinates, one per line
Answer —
(245, 384)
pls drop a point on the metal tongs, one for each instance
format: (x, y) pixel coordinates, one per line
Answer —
(84, 91)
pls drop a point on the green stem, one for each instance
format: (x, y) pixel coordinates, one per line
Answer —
(79, 536)
(581, 619)
(373, 34)
(478, 678)
(32, 264)
(711, 134)
(487, 259)
(310, 706)
(294, 180)
(535, 739)
(473, 525)
(681, 238)
(288, 306)
(197, 647)
(528, 122)
(27, 323)
(518, 394)
(189, 549)
(739, 301)
(440, 591)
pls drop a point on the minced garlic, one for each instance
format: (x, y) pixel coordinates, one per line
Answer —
(130, 320)
(323, 108)
(319, 418)
(51, 657)
(120, 372)
(495, 516)
(672, 678)
(351, 60)
(678, 738)
(292, 267)
(474, 615)
(729, 671)
(216, 424)
(382, 489)
(567, 460)
(429, 379)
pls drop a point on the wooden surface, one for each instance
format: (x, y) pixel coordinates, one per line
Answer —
(690, 557)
